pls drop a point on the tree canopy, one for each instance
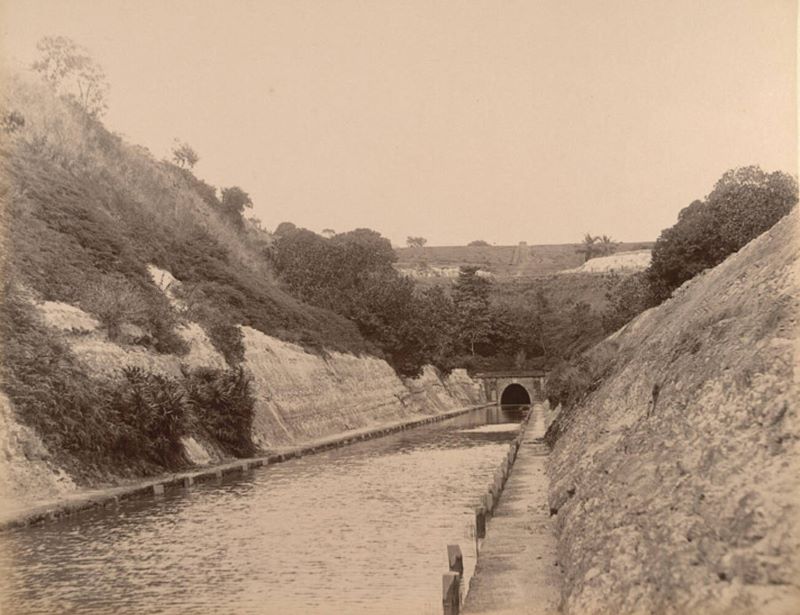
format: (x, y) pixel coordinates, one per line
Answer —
(471, 301)
(184, 155)
(71, 72)
(744, 203)
(352, 274)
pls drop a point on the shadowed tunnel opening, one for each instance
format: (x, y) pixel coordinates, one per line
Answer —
(515, 395)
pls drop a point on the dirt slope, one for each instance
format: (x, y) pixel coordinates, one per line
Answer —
(675, 482)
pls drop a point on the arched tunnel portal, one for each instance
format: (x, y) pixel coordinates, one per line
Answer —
(515, 395)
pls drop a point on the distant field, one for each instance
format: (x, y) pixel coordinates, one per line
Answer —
(503, 261)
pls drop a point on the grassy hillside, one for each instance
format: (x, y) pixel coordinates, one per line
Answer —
(84, 214)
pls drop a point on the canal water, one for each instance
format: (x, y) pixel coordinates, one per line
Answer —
(359, 529)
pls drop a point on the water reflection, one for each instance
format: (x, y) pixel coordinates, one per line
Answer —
(354, 530)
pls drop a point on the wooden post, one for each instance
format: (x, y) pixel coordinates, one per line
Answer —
(455, 558)
(451, 600)
(480, 522)
(488, 501)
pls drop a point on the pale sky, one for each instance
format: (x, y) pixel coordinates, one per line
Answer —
(502, 120)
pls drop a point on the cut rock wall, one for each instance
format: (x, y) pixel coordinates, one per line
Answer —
(306, 396)
(675, 482)
(300, 396)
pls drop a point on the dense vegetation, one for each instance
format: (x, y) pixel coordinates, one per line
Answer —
(744, 203)
(352, 274)
(474, 322)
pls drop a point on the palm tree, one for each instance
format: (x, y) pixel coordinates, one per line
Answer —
(588, 248)
(607, 245)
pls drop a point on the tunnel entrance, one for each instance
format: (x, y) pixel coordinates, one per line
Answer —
(515, 395)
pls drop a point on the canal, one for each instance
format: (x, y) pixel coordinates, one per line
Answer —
(359, 529)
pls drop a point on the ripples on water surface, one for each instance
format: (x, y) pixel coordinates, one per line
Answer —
(361, 529)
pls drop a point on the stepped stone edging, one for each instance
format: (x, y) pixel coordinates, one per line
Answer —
(492, 496)
(110, 498)
(452, 599)
(517, 570)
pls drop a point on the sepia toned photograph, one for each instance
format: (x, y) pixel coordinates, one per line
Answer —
(425, 307)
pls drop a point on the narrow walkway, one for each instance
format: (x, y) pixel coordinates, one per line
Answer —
(517, 571)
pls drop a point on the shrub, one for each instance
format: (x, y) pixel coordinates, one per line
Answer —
(223, 405)
(227, 339)
(151, 414)
(224, 333)
(114, 301)
(570, 381)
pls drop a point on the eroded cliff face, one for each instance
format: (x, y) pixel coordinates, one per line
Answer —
(675, 482)
(301, 397)
(27, 469)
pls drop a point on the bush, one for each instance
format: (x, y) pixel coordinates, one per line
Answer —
(151, 416)
(227, 339)
(114, 301)
(223, 404)
(570, 381)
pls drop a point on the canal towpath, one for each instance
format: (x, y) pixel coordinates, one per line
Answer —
(517, 570)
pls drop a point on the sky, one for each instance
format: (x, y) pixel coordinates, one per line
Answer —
(501, 120)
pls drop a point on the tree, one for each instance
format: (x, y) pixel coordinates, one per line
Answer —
(593, 246)
(366, 250)
(515, 333)
(588, 247)
(605, 245)
(328, 232)
(478, 243)
(70, 71)
(744, 203)
(184, 155)
(541, 322)
(471, 302)
(284, 228)
(353, 274)
(234, 200)
(416, 242)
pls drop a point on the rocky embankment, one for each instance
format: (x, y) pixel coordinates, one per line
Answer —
(675, 481)
(300, 396)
